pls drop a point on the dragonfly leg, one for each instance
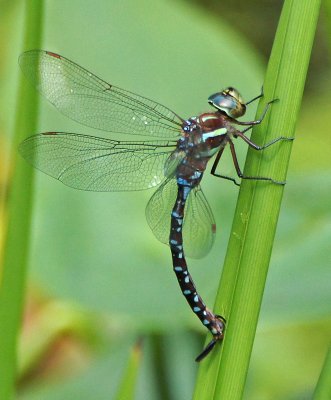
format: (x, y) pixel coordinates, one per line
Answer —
(258, 121)
(242, 176)
(257, 147)
(236, 163)
(257, 97)
(213, 168)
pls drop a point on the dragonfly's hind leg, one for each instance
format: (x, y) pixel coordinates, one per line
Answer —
(236, 163)
(213, 168)
(255, 178)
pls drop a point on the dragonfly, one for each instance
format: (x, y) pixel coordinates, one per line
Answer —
(173, 156)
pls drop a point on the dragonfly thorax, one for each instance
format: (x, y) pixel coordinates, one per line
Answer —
(202, 138)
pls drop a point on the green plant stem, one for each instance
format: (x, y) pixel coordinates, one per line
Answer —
(323, 387)
(128, 384)
(327, 20)
(223, 374)
(15, 254)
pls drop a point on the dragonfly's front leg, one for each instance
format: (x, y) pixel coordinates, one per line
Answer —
(255, 98)
(258, 121)
(241, 134)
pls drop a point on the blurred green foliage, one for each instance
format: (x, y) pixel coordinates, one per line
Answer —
(95, 249)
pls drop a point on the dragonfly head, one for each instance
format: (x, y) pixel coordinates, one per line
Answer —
(229, 101)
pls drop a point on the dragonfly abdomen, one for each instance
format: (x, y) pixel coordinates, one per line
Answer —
(188, 288)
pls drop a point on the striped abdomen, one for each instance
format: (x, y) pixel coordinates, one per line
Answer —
(215, 324)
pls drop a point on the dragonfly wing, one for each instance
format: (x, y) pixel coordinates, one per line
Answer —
(198, 226)
(159, 207)
(97, 164)
(85, 98)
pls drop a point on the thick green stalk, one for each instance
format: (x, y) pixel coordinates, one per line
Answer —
(15, 253)
(327, 20)
(223, 374)
(323, 387)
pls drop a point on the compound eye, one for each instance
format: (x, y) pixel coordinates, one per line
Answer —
(235, 94)
(229, 101)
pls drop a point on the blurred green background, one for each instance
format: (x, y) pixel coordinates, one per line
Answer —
(98, 277)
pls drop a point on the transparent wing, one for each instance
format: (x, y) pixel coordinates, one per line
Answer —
(159, 207)
(97, 164)
(85, 98)
(199, 226)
